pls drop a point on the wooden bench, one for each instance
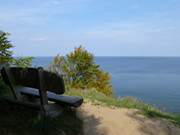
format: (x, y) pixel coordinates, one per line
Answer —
(40, 84)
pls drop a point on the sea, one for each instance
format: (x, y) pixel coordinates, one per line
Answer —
(154, 80)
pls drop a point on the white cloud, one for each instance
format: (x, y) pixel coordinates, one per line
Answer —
(136, 33)
(38, 39)
(39, 13)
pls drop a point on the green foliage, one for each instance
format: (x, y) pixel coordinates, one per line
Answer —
(82, 72)
(22, 62)
(6, 57)
(6, 53)
(5, 46)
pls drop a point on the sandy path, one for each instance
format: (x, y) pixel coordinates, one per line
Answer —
(100, 120)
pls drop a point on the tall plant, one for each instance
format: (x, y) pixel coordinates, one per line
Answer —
(82, 72)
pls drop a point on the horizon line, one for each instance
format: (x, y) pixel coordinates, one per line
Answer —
(106, 56)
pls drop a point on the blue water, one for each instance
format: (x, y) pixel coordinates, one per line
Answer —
(155, 80)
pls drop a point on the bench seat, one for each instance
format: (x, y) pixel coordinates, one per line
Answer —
(71, 101)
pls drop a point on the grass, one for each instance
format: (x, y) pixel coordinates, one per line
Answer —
(126, 102)
(17, 120)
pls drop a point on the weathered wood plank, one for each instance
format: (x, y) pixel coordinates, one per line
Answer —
(73, 101)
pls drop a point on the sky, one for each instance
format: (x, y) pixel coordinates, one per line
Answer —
(103, 27)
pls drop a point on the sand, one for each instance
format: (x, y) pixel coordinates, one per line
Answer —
(101, 120)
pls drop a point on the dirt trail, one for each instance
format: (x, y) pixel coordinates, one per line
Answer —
(100, 120)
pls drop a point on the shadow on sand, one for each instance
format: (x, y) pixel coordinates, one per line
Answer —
(17, 120)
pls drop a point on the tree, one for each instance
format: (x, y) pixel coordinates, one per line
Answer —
(5, 46)
(82, 72)
(6, 53)
(6, 56)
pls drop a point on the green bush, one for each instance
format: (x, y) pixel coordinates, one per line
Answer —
(81, 72)
(22, 62)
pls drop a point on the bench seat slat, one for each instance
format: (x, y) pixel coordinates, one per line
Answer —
(73, 101)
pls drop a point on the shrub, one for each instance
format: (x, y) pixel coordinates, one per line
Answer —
(22, 62)
(81, 72)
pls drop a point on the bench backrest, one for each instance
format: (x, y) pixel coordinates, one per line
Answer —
(32, 77)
